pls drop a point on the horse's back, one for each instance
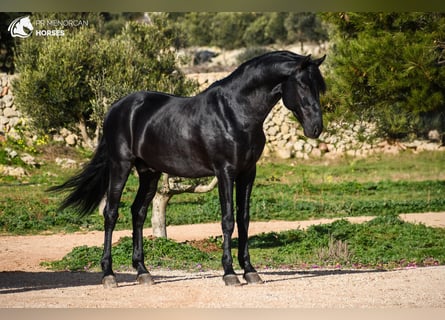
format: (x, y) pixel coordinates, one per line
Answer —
(188, 137)
(154, 126)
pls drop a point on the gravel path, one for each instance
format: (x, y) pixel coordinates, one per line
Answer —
(27, 284)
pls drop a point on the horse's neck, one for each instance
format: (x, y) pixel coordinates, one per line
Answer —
(258, 95)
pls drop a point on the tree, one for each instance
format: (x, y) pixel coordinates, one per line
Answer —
(304, 26)
(139, 58)
(71, 81)
(230, 30)
(386, 67)
(52, 88)
(171, 186)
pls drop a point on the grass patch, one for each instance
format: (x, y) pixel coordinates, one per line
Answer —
(286, 190)
(159, 252)
(385, 242)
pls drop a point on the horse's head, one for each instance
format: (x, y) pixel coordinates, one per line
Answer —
(301, 95)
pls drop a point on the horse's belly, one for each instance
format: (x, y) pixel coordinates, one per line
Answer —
(177, 163)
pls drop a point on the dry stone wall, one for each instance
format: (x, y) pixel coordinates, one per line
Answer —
(11, 118)
(9, 115)
(285, 138)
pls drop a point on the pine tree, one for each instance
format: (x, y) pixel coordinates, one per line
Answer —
(388, 67)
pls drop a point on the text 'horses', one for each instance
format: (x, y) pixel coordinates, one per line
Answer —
(218, 132)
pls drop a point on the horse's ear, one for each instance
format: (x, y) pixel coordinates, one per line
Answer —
(318, 62)
(305, 62)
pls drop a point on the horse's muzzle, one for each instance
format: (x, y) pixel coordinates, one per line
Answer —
(313, 132)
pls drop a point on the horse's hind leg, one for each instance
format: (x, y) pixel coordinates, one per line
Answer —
(148, 181)
(119, 171)
(244, 185)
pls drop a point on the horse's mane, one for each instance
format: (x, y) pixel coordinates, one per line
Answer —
(271, 58)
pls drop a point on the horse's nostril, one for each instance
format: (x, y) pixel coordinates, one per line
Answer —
(317, 131)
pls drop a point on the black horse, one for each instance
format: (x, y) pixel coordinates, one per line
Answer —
(218, 132)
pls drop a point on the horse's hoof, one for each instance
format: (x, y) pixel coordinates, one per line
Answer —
(109, 282)
(145, 279)
(253, 278)
(231, 280)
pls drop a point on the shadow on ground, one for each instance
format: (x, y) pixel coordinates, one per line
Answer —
(20, 281)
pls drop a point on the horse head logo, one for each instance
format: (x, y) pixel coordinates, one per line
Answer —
(21, 27)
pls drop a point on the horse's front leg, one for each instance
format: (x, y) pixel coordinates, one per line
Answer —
(244, 185)
(225, 188)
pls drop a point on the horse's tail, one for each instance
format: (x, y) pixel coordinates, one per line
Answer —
(89, 186)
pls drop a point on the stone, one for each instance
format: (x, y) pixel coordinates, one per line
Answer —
(434, 135)
(10, 113)
(66, 163)
(413, 144)
(312, 142)
(332, 139)
(428, 147)
(277, 120)
(266, 151)
(316, 153)
(351, 153)
(14, 135)
(285, 128)
(14, 121)
(281, 143)
(284, 153)
(307, 148)
(299, 145)
(64, 132)
(4, 91)
(300, 155)
(29, 159)
(12, 171)
(3, 120)
(71, 139)
(9, 100)
(4, 80)
(272, 131)
(11, 153)
(323, 147)
(58, 138)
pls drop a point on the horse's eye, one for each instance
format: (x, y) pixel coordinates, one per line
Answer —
(303, 85)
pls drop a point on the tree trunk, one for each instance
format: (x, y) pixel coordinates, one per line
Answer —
(160, 202)
(169, 187)
(83, 132)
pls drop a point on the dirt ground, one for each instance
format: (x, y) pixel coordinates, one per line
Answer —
(25, 284)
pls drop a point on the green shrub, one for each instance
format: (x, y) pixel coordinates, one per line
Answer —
(386, 67)
(70, 81)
